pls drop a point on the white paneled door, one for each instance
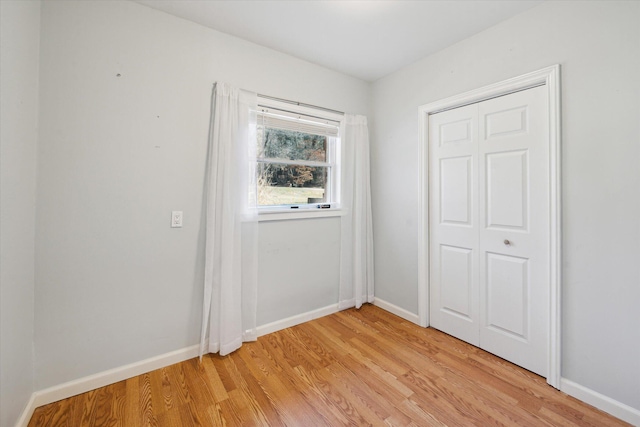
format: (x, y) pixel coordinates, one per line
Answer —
(489, 225)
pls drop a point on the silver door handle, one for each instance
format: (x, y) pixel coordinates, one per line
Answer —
(506, 242)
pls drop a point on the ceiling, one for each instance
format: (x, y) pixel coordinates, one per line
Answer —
(364, 39)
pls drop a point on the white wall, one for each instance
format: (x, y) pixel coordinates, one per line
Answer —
(598, 47)
(297, 284)
(19, 45)
(125, 104)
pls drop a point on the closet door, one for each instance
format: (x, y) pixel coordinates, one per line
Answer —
(514, 231)
(488, 224)
(454, 232)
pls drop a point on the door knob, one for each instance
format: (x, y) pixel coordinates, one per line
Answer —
(506, 242)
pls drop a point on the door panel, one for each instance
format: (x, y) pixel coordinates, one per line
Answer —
(507, 122)
(455, 190)
(457, 131)
(455, 265)
(507, 190)
(489, 225)
(508, 295)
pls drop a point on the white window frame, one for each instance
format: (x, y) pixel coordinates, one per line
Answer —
(333, 164)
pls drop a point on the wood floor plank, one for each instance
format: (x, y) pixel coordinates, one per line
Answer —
(131, 416)
(257, 399)
(213, 380)
(383, 384)
(355, 367)
(171, 418)
(158, 385)
(340, 397)
(291, 396)
(55, 414)
(324, 402)
(146, 409)
(386, 360)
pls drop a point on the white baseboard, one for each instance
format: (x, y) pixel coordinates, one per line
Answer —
(26, 415)
(101, 379)
(296, 320)
(398, 311)
(600, 401)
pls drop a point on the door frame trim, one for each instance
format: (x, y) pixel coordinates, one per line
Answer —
(549, 77)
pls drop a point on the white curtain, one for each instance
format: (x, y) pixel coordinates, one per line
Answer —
(356, 254)
(230, 278)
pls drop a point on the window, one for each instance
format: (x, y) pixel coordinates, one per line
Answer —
(297, 157)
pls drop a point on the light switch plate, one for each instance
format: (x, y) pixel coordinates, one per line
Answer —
(176, 219)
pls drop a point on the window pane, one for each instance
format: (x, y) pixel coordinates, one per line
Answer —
(290, 145)
(280, 184)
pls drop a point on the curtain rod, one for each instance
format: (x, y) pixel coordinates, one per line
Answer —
(300, 104)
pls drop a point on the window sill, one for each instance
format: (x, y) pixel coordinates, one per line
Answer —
(284, 215)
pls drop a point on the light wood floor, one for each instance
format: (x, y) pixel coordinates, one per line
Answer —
(356, 367)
